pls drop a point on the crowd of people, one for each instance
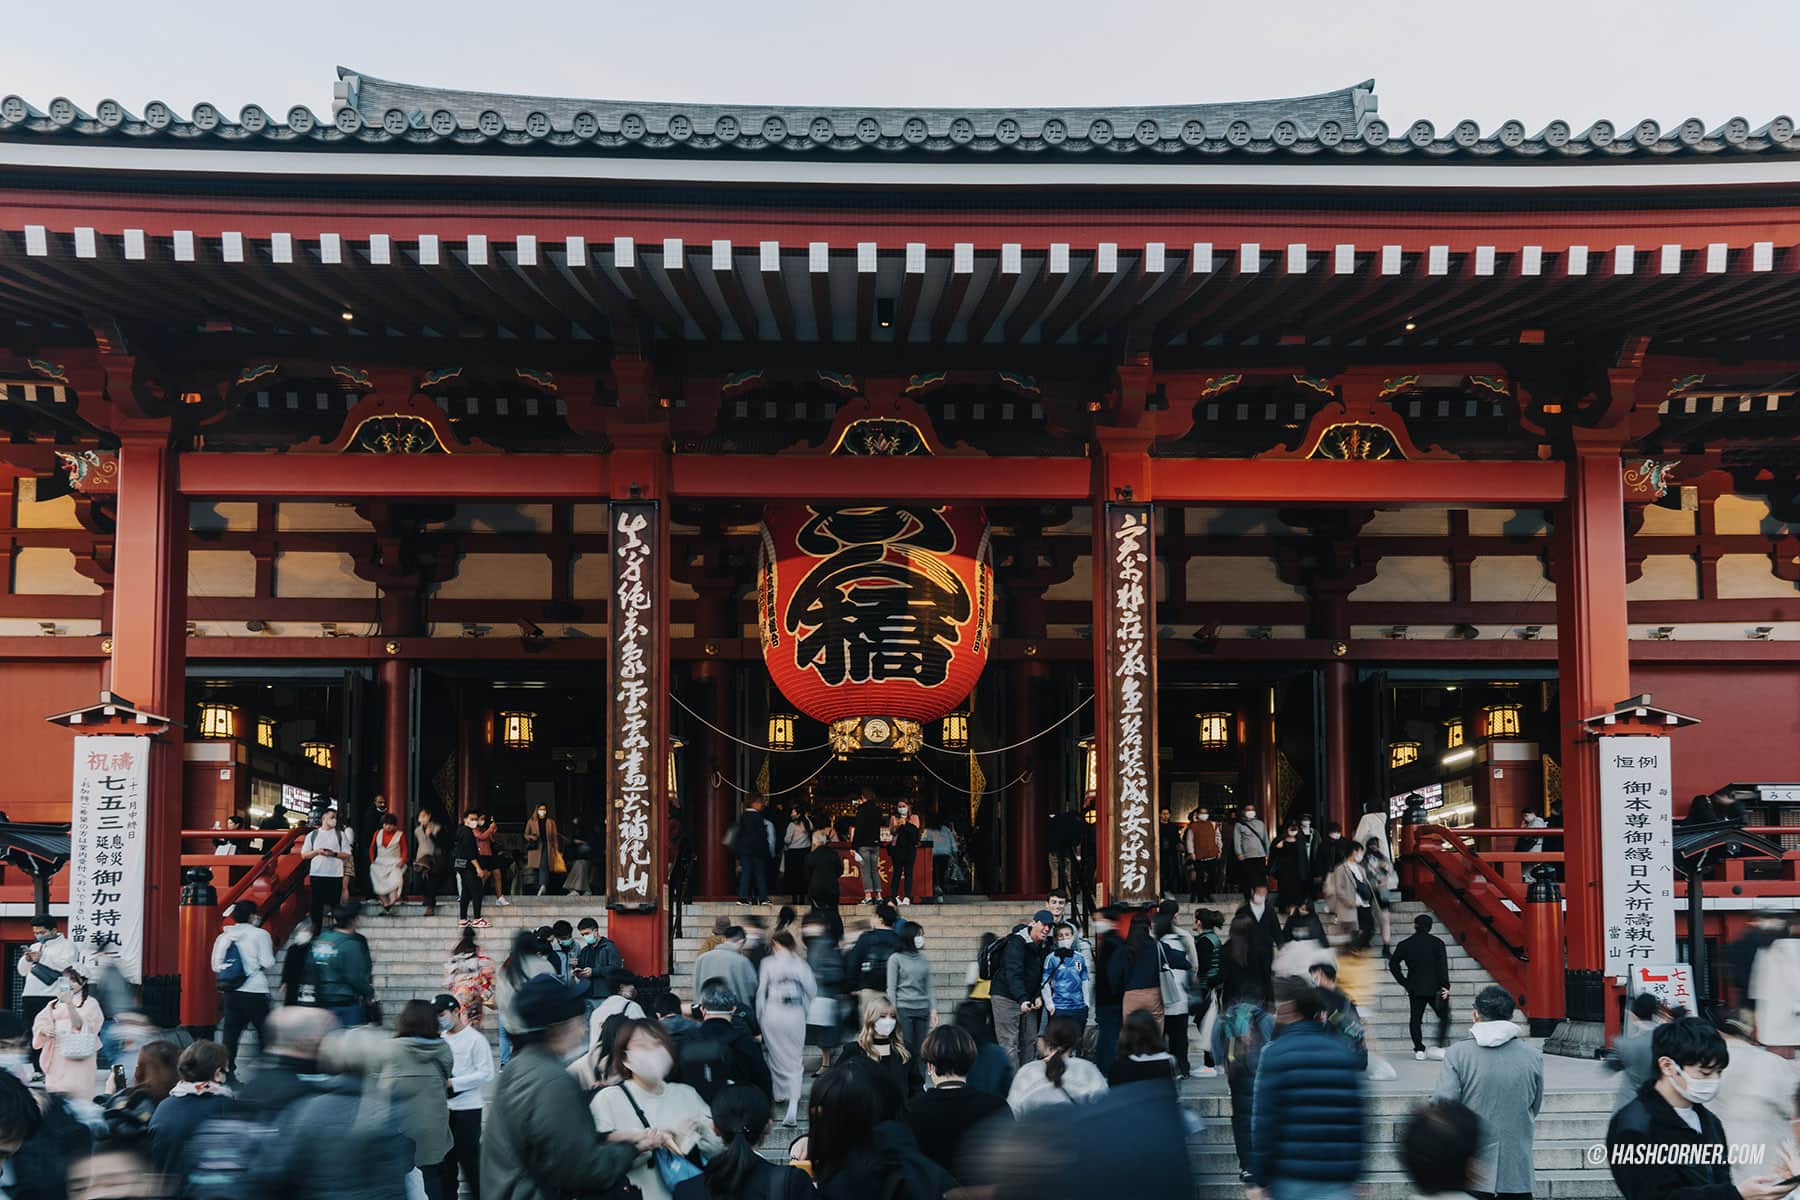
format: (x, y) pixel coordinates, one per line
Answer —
(606, 1084)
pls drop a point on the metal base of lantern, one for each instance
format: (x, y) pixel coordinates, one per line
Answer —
(895, 735)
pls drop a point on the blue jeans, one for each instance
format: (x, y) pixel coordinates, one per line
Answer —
(1306, 1189)
(505, 1045)
(753, 879)
(348, 1015)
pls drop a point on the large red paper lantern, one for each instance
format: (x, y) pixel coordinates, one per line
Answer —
(872, 610)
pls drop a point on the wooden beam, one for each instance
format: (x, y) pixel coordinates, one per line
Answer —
(454, 476)
(1387, 484)
(732, 476)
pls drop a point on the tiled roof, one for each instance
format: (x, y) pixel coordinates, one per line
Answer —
(378, 114)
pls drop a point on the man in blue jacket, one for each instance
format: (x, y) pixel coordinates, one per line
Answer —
(1306, 1127)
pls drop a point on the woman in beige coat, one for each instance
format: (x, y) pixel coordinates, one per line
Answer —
(1352, 898)
(543, 847)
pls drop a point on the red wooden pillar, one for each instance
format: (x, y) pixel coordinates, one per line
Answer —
(150, 659)
(396, 737)
(1340, 805)
(1027, 802)
(1593, 668)
(713, 798)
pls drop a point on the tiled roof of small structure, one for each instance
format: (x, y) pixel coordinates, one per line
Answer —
(376, 114)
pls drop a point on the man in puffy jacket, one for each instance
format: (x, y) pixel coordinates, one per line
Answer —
(1306, 1124)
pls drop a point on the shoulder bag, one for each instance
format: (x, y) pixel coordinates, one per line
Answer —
(672, 1168)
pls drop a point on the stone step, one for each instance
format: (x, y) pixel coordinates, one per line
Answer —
(1561, 1154)
(1392, 1185)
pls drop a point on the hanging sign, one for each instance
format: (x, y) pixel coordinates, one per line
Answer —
(106, 847)
(636, 717)
(1130, 680)
(1637, 852)
(884, 610)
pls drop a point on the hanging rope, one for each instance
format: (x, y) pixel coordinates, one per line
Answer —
(718, 777)
(1066, 718)
(1021, 777)
(740, 741)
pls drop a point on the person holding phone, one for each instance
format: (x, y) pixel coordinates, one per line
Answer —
(325, 851)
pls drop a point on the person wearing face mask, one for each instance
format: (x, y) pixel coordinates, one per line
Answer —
(1501, 1078)
(543, 847)
(949, 1111)
(471, 1071)
(1068, 988)
(1250, 844)
(539, 1143)
(646, 1100)
(41, 965)
(1201, 842)
(910, 985)
(903, 851)
(66, 1035)
(1671, 1111)
(1267, 917)
(880, 1049)
(465, 859)
(597, 959)
(325, 851)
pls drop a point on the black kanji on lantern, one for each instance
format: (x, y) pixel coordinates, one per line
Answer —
(881, 604)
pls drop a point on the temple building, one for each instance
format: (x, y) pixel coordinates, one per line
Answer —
(484, 452)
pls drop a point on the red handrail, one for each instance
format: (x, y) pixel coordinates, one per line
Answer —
(1470, 897)
(270, 881)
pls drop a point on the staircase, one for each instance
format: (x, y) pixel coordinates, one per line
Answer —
(410, 950)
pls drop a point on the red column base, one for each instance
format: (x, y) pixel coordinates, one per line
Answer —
(643, 940)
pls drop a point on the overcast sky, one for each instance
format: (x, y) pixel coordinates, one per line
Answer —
(1441, 59)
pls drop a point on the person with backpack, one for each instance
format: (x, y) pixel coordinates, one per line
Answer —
(1015, 973)
(339, 975)
(597, 959)
(866, 964)
(1244, 1027)
(721, 1051)
(903, 851)
(242, 956)
(325, 851)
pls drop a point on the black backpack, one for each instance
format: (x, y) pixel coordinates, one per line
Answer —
(874, 964)
(990, 958)
(705, 1064)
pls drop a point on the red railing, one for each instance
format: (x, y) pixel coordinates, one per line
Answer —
(270, 880)
(1471, 897)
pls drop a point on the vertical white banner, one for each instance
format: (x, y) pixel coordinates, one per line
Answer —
(1637, 856)
(106, 847)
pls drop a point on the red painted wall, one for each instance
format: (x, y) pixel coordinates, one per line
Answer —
(35, 756)
(1750, 730)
